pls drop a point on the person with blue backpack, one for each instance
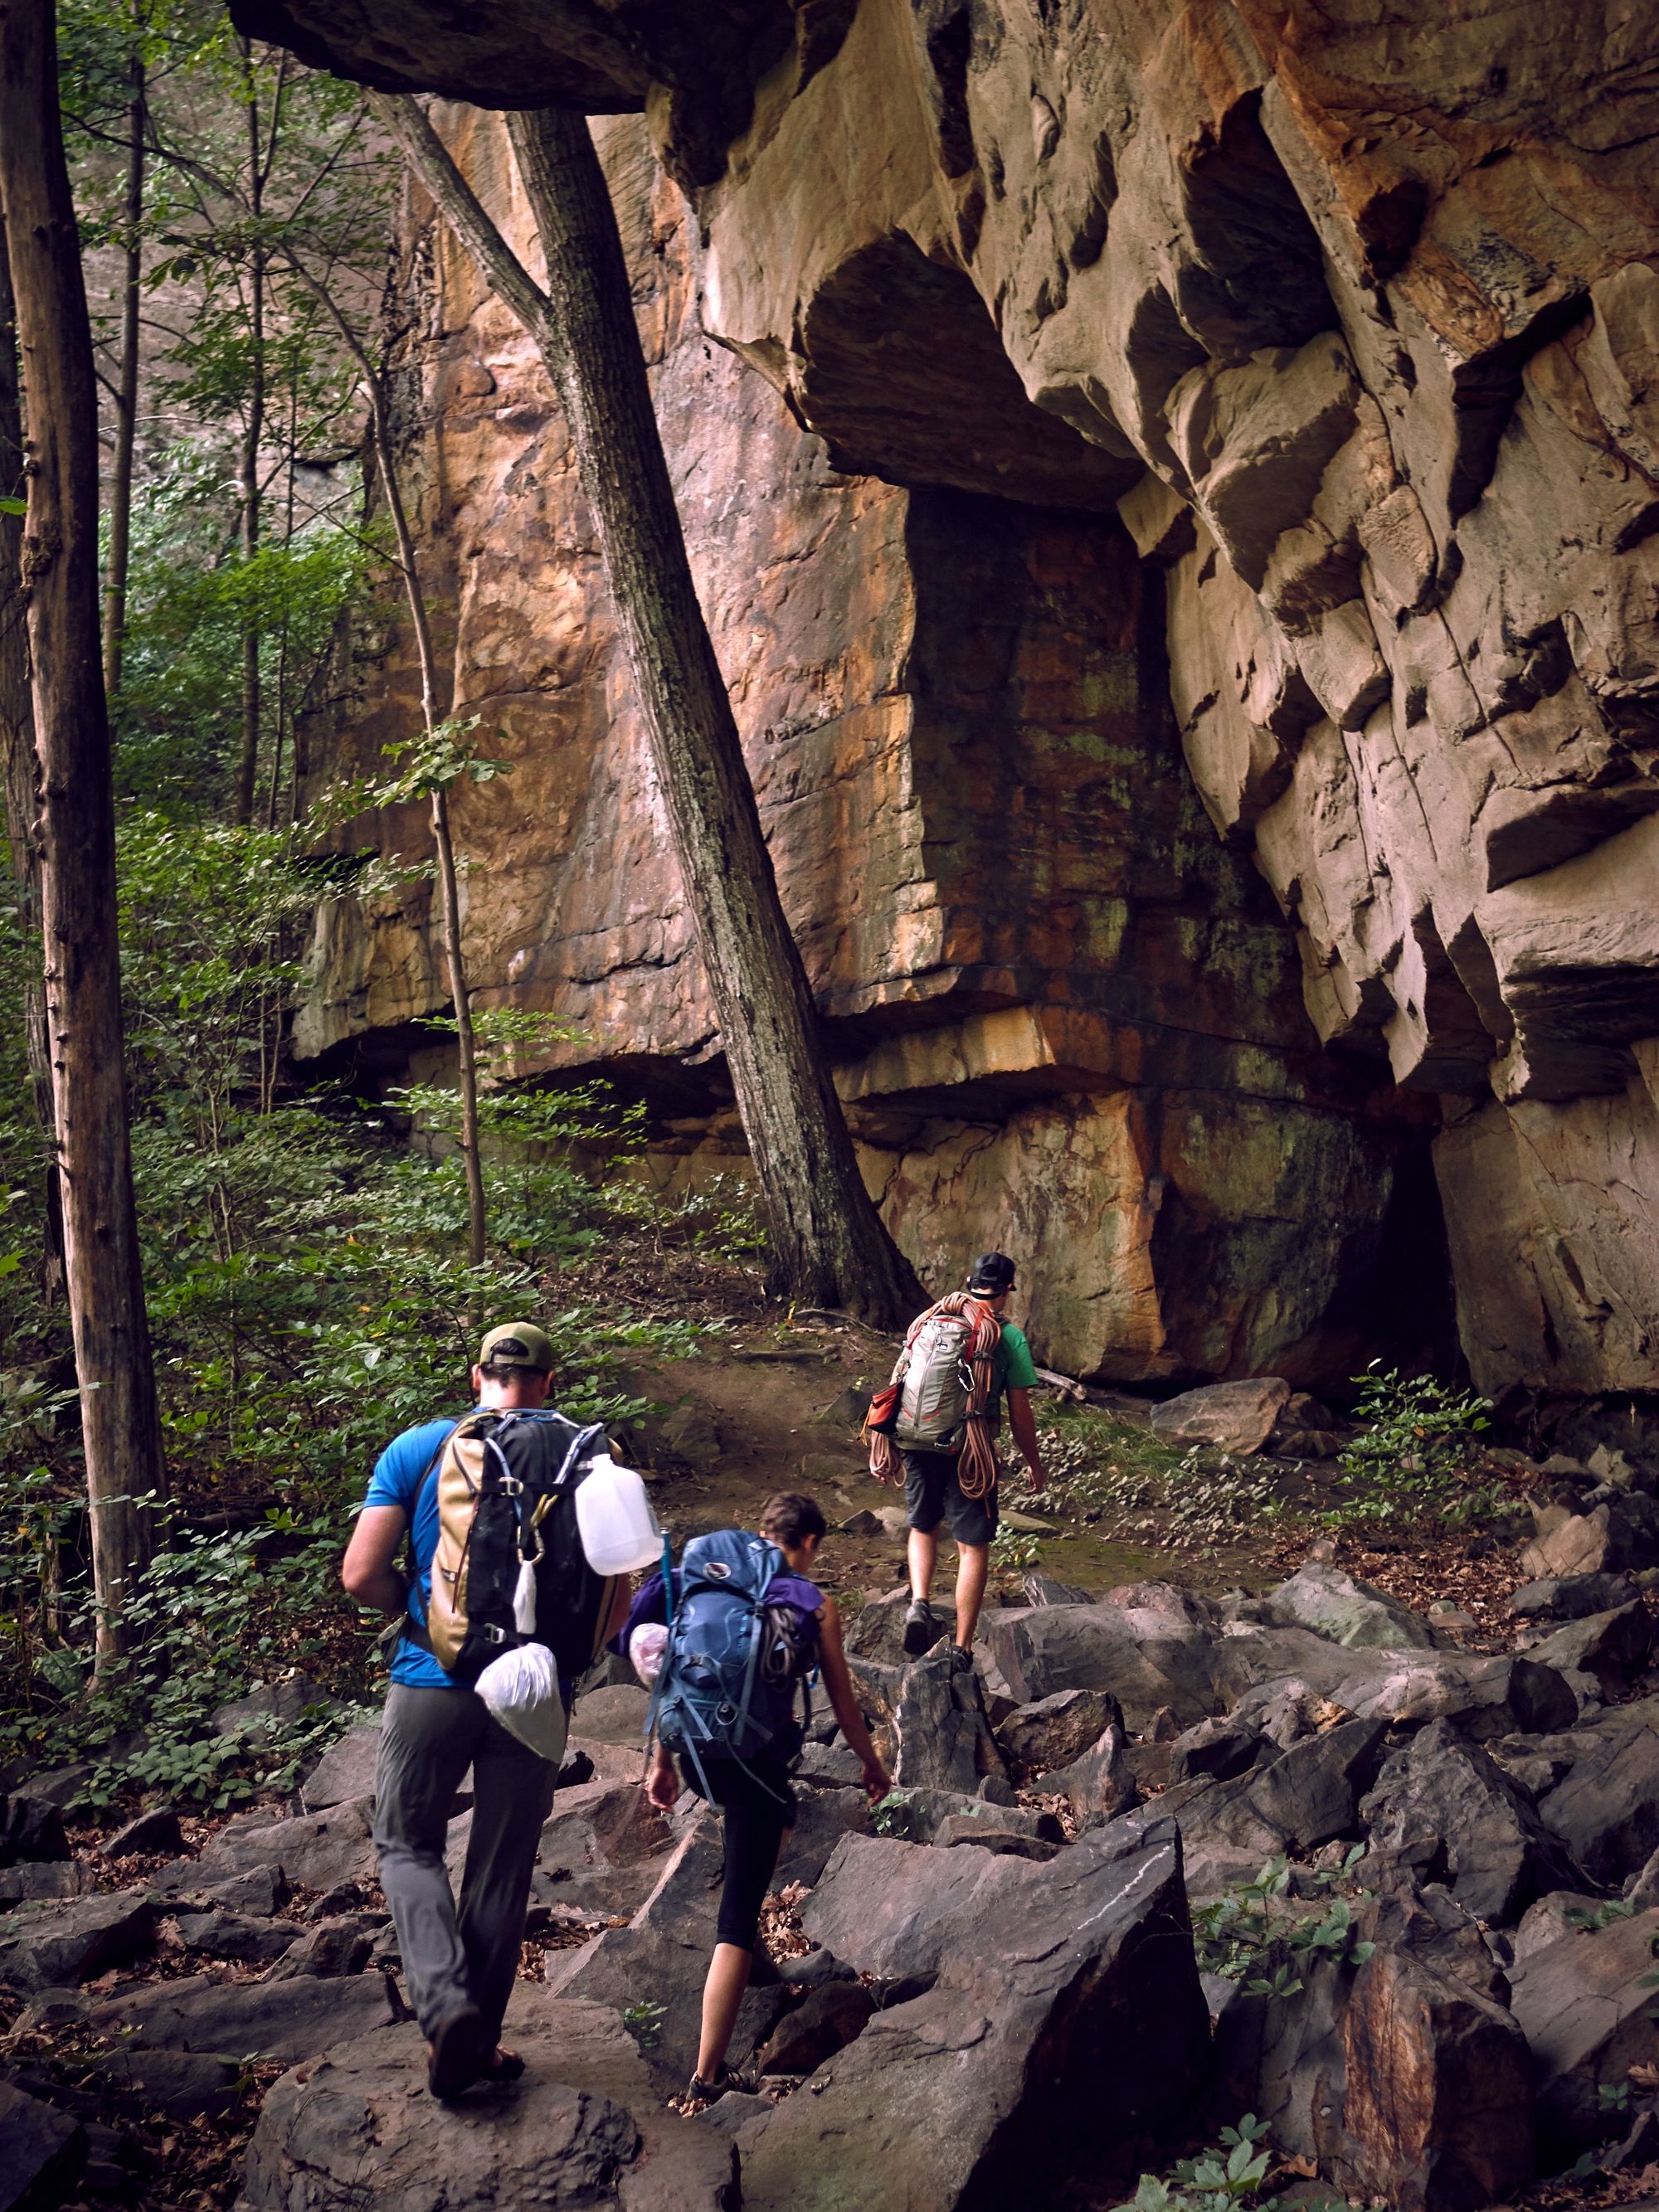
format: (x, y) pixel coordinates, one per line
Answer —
(745, 1627)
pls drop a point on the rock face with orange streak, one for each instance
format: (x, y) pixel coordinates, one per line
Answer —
(1066, 1020)
(1353, 322)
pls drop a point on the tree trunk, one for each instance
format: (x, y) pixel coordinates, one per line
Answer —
(120, 1434)
(828, 1247)
(126, 395)
(22, 783)
(253, 431)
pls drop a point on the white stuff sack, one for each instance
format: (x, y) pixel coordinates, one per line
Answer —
(521, 1689)
(646, 1647)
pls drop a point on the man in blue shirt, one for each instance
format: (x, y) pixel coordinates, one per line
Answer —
(459, 1962)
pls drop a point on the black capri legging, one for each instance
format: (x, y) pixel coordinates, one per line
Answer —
(757, 1806)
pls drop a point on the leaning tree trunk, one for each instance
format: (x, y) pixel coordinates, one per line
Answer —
(126, 392)
(23, 781)
(120, 1434)
(829, 1246)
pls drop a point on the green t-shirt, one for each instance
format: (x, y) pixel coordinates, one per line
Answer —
(1011, 1365)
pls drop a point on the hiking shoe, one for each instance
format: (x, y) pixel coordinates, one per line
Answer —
(699, 2092)
(460, 2052)
(922, 1628)
(961, 1662)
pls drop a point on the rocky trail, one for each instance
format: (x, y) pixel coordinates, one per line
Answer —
(1199, 1836)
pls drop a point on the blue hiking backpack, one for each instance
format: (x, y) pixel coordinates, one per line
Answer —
(726, 1689)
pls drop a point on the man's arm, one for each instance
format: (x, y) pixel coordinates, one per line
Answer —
(369, 1569)
(1025, 1435)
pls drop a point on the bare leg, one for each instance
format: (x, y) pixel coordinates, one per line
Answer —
(973, 1565)
(722, 1993)
(924, 1551)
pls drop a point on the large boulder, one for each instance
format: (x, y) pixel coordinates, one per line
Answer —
(602, 1849)
(1234, 1417)
(941, 1736)
(345, 1771)
(1608, 1646)
(1333, 1605)
(1065, 2022)
(1585, 2003)
(583, 2127)
(1294, 1801)
(1145, 1658)
(1056, 1730)
(45, 1945)
(1571, 1597)
(1100, 1784)
(42, 2152)
(287, 2020)
(313, 1850)
(240, 1935)
(1486, 1697)
(876, 1630)
(1447, 1811)
(1438, 2111)
(1614, 1538)
(1606, 1807)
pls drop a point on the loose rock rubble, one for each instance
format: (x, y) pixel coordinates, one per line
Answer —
(1000, 1987)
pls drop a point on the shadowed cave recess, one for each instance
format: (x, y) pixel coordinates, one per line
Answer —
(1175, 495)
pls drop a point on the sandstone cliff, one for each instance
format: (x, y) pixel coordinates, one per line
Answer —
(1348, 329)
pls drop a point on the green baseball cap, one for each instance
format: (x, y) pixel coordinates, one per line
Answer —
(517, 1344)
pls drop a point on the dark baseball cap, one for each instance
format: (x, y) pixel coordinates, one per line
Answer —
(993, 1272)
(517, 1344)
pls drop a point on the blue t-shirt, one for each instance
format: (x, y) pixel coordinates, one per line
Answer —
(400, 1479)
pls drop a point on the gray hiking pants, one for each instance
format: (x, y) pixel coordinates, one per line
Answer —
(454, 1956)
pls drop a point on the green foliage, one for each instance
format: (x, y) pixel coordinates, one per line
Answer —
(1414, 1456)
(644, 2022)
(1230, 2173)
(1015, 1550)
(1592, 1919)
(1241, 1937)
(892, 1816)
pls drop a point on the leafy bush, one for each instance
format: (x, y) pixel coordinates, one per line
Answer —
(1230, 2174)
(1241, 1938)
(1414, 1456)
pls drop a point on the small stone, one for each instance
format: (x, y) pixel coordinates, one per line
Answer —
(156, 1830)
(31, 1829)
(234, 1935)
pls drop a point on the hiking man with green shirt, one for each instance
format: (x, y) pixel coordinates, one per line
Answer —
(958, 1484)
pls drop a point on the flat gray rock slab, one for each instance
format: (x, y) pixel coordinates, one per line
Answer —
(584, 2126)
(47, 1946)
(345, 1771)
(286, 2020)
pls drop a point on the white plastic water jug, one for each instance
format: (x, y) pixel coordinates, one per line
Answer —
(618, 1529)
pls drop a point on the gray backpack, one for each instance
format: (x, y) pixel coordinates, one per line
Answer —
(937, 1383)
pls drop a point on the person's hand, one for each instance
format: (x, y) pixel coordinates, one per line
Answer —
(662, 1784)
(875, 1783)
(1035, 1480)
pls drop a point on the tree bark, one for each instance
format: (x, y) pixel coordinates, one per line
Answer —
(829, 1246)
(126, 393)
(121, 1437)
(22, 781)
(253, 431)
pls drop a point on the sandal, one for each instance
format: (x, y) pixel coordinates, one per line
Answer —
(460, 2053)
(501, 2066)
